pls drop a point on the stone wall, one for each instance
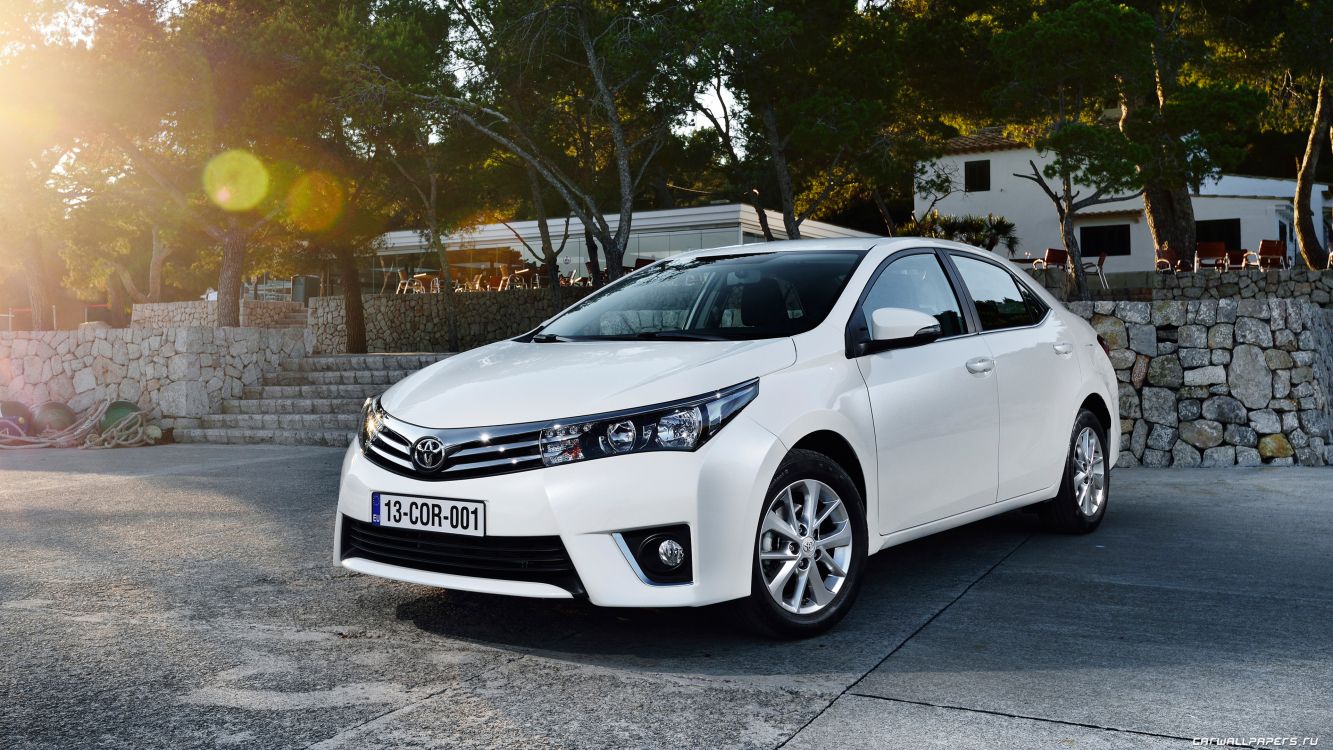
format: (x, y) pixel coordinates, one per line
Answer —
(418, 322)
(255, 313)
(1220, 382)
(1295, 284)
(176, 375)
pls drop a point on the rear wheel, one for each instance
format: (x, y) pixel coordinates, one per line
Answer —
(1085, 488)
(809, 549)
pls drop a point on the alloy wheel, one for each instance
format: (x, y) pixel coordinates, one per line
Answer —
(805, 546)
(1089, 472)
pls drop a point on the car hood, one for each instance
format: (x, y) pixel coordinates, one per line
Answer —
(510, 382)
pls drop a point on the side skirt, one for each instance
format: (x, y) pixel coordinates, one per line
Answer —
(966, 517)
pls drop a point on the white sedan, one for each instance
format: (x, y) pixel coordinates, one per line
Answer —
(745, 423)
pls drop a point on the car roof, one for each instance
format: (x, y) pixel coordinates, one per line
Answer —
(860, 244)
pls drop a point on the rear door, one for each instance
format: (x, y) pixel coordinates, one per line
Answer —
(1037, 373)
(934, 406)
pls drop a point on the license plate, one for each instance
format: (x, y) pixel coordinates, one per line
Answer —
(428, 514)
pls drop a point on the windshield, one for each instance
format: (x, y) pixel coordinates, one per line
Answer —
(719, 297)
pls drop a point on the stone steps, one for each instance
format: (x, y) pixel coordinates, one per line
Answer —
(336, 377)
(307, 401)
(345, 421)
(236, 436)
(292, 406)
(362, 391)
(353, 362)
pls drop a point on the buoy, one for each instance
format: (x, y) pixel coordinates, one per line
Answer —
(51, 416)
(117, 411)
(18, 412)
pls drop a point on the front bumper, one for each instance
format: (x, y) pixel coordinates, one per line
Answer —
(717, 491)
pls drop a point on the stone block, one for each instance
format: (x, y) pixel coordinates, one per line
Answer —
(1201, 433)
(1275, 446)
(1225, 409)
(1158, 405)
(1248, 457)
(1220, 456)
(1161, 438)
(1249, 378)
(1184, 456)
(1207, 375)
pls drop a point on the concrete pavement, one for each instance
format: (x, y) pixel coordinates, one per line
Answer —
(183, 597)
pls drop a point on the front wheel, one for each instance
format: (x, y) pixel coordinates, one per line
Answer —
(809, 549)
(1080, 505)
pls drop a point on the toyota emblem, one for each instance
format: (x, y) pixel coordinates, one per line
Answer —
(428, 454)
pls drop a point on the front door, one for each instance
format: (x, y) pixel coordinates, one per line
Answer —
(934, 406)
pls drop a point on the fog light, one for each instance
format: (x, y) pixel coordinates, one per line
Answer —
(671, 553)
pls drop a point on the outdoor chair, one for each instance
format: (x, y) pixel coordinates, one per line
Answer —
(1055, 258)
(1241, 259)
(1165, 261)
(1098, 268)
(408, 284)
(1210, 255)
(1272, 254)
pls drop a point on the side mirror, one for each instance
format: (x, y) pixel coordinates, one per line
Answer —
(899, 328)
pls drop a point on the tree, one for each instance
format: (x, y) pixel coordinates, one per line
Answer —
(845, 130)
(610, 66)
(33, 145)
(1189, 125)
(1064, 66)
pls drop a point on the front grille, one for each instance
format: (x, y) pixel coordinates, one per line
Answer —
(536, 559)
(471, 452)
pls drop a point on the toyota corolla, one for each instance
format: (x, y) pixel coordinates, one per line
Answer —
(746, 424)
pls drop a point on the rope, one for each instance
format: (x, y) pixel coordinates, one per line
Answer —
(130, 431)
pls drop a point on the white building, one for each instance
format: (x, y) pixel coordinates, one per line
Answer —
(653, 235)
(1234, 209)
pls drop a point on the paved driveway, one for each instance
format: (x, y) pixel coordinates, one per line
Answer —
(182, 597)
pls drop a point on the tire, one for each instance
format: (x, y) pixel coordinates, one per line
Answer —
(812, 563)
(1077, 508)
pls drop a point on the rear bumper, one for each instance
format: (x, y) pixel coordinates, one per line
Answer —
(717, 491)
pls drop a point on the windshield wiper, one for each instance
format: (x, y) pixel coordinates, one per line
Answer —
(678, 336)
(548, 338)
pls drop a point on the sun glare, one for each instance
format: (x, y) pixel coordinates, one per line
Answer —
(236, 180)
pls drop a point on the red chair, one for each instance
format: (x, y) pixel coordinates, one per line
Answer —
(1239, 259)
(1272, 254)
(1054, 258)
(1210, 255)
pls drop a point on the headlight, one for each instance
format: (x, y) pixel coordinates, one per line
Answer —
(677, 426)
(371, 417)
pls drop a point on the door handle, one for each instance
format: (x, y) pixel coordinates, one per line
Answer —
(980, 365)
(1064, 349)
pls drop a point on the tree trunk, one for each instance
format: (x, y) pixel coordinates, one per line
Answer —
(354, 312)
(594, 267)
(39, 293)
(614, 253)
(115, 302)
(1170, 214)
(1070, 238)
(777, 152)
(762, 214)
(230, 276)
(890, 228)
(1307, 238)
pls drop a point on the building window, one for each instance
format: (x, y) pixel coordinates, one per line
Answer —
(976, 176)
(1112, 239)
(1219, 230)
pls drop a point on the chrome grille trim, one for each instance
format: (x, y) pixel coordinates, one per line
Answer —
(472, 451)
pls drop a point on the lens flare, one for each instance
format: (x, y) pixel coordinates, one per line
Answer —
(315, 201)
(236, 180)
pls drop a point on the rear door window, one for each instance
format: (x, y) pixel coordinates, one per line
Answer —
(995, 292)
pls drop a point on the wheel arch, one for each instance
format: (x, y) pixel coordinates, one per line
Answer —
(839, 449)
(1097, 405)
